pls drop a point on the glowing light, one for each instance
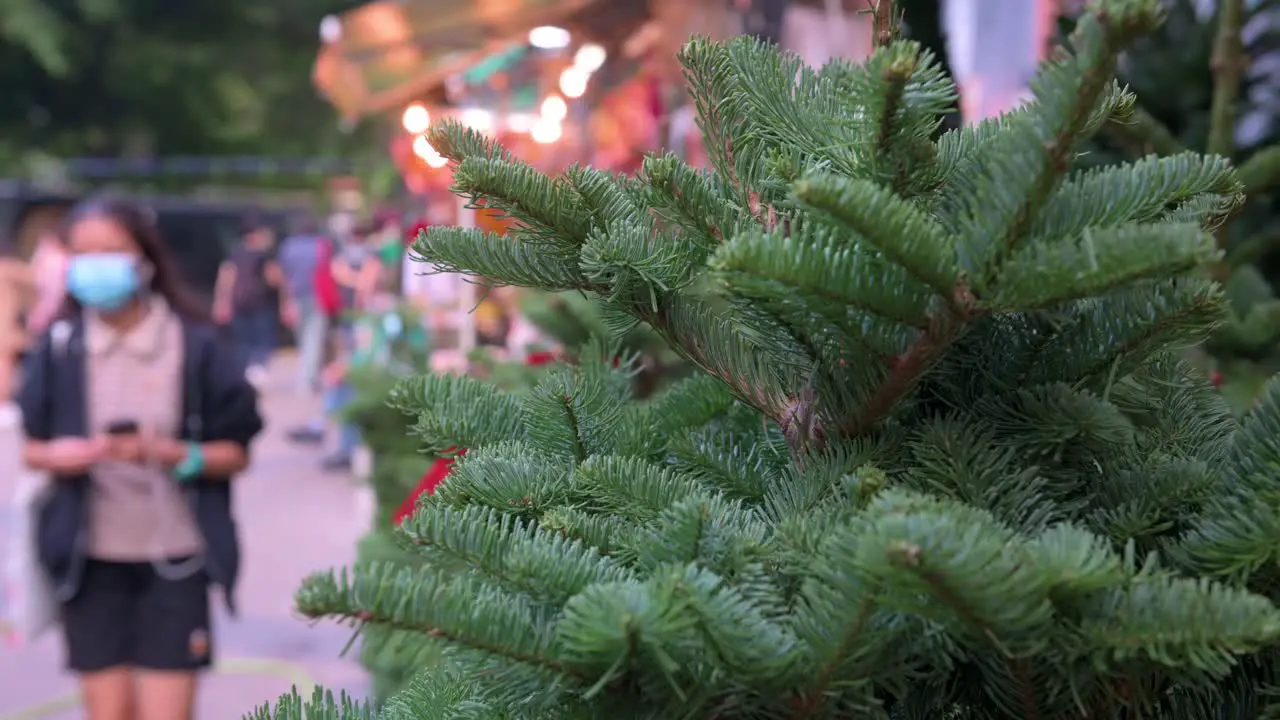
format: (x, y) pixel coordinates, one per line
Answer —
(422, 148)
(521, 122)
(554, 108)
(590, 57)
(546, 131)
(416, 119)
(478, 119)
(330, 29)
(573, 82)
(548, 37)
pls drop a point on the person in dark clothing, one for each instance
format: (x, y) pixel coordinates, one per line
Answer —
(245, 297)
(140, 417)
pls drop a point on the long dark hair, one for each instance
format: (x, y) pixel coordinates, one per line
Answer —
(140, 222)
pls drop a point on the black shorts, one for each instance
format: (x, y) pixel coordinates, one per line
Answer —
(126, 614)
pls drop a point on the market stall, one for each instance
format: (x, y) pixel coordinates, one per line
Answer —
(385, 54)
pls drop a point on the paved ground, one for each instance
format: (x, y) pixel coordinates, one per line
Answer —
(293, 520)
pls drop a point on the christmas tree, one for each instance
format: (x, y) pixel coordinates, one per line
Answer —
(567, 323)
(1201, 80)
(942, 459)
(397, 465)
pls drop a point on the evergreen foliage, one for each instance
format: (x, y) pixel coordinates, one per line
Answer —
(567, 323)
(391, 656)
(942, 460)
(1203, 82)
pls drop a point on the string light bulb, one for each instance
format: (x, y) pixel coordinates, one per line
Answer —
(521, 122)
(590, 57)
(478, 119)
(546, 131)
(422, 148)
(573, 82)
(547, 37)
(416, 119)
(555, 108)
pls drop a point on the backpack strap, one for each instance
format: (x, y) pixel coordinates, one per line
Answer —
(59, 338)
(196, 350)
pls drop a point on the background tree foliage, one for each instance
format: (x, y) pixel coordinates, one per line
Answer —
(199, 77)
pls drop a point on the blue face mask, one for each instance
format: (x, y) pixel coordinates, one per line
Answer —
(103, 281)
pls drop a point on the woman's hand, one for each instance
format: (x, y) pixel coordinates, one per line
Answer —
(222, 312)
(126, 448)
(166, 452)
(69, 455)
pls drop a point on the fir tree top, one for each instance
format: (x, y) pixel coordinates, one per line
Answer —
(941, 462)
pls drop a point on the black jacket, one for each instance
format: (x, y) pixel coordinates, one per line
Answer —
(218, 404)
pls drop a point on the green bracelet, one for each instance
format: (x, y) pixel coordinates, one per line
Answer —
(192, 465)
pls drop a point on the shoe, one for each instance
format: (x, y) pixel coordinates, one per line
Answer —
(306, 436)
(336, 463)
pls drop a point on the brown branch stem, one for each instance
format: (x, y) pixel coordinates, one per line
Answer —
(457, 639)
(1026, 690)
(909, 556)
(810, 704)
(1228, 66)
(691, 349)
(884, 22)
(1059, 149)
(908, 367)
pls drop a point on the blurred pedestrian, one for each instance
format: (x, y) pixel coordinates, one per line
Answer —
(140, 416)
(390, 246)
(301, 309)
(328, 302)
(356, 268)
(367, 342)
(244, 297)
(354, 271)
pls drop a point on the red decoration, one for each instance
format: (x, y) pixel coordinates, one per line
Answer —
(1216, 378)
(411, 235)
(427, 485)
(540, 358)
(440, 468)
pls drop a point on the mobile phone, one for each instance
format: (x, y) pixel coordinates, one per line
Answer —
(122, 427)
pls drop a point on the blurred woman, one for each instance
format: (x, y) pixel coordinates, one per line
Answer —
(141, 417)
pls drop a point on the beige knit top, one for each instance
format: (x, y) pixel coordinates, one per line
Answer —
(137, 512)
